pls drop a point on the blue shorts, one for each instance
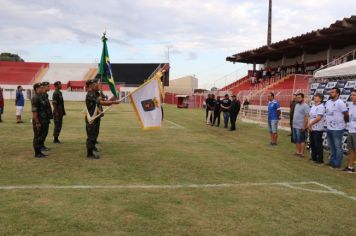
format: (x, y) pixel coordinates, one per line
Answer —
(298, 136)
(1, 110)
(273, 126)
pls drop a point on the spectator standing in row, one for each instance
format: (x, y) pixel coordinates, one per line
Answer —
(245, 107)
(225, 106)
(291, 114)
(19, 103)
(1, 103)
(274, 115)
(300, 123)
(210, 109)
(234, 112)
(316, 128)
(217, 111)
(336, 118)
(351, 138)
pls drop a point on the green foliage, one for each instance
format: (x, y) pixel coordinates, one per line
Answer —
(6, 56)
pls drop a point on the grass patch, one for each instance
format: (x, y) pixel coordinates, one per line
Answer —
(195, 154)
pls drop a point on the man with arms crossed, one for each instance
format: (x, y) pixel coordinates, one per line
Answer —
(351, 138)
(300, 123)
(336, 117)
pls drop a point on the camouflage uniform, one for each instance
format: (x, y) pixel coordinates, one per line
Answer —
(100, 96)
(39, 106)
(57, 98)
(92, 103)
(48, 110)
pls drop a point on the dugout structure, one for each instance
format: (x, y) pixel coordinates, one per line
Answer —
(183, 101)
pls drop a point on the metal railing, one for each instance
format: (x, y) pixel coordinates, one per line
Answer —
(340, 60)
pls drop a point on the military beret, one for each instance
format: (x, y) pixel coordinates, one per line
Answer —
(89, 82)
(57, 83)
(37, 85)
(45, 83)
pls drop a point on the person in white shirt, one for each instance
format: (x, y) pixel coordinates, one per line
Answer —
(316, 129)
(336, 117)
(351, 138)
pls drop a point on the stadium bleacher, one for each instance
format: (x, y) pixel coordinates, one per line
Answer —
(66, 72)
(20, 73)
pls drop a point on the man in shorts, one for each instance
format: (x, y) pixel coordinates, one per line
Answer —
(351, 138)
(274, 115)
(300, 124)
(19, 103)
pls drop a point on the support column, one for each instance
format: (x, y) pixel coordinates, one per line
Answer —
(303, 56)
(328, 54)
(284, 58)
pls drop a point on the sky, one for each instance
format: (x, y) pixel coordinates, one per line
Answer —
(198, 34)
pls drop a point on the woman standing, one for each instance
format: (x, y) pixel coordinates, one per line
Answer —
(316, 128)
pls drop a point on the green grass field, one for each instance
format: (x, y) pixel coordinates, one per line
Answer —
(171, 167)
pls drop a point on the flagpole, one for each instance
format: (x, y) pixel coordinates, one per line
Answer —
(108, 108)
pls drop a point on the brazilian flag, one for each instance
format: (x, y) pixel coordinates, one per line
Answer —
(105, 71)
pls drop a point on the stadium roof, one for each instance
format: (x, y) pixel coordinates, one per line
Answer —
(339, 34)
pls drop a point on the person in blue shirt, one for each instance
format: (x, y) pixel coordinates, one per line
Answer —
(274, 115)
(19, 103)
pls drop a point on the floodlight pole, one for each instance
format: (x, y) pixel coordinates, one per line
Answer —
(269, 33)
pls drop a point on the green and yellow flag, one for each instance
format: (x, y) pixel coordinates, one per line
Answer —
(105, 68)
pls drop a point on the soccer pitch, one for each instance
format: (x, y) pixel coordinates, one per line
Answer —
(185, 179)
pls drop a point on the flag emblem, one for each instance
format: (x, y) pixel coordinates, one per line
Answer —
(150, 104)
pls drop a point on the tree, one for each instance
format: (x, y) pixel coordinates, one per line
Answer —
(6, 56)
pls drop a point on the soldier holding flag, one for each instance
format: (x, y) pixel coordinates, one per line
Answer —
(92, 119)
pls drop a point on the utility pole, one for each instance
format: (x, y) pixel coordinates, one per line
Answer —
(269, 33)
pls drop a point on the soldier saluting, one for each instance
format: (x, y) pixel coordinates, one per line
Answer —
(58, 110)
(39, 118)
(92, 119)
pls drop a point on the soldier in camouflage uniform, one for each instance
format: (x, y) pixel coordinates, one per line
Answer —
(93, 102)
(100, 94)
(45, 127)
(39, 118)
(58, 110)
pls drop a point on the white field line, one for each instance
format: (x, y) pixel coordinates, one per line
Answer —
(171, 126)
(263, 124)
(175, 124)
(293, 185)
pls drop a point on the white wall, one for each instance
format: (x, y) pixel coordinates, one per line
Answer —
(65, 72)
(67, 95)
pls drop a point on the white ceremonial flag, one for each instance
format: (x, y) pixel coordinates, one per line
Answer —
(146, 101)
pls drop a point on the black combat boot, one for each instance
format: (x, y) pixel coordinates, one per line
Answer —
(56, 140)
(44, 148)
(39, 154)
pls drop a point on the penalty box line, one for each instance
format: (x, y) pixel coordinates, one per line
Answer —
(325, 189)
